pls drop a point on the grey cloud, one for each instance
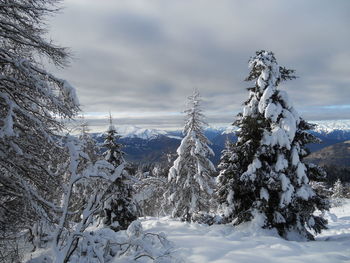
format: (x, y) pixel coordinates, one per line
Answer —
(133, 28)
(149, 55)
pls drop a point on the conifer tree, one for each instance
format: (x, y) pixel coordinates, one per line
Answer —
(338, 189)
(265, 176)
(190, 177)
(32, 103)
(120, 210)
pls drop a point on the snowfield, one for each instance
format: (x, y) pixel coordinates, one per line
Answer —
(247, 243)
(250, 244)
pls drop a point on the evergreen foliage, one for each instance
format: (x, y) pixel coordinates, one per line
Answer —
(120, 210)
(263, 174)
(113, 153)
(338, 189)
(190, 178)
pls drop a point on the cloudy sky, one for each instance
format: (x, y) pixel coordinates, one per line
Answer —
(140, 59)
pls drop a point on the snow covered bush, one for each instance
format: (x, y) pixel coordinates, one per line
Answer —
(100, 244)
(90, 155)
(207, 218)
(80, 173)
(190, 178)
(139, 245)
(149, 195)
(263, 174)
(151, 185)
(133, 244)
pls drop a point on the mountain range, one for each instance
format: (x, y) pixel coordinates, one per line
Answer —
(336, 155)
(144, 145)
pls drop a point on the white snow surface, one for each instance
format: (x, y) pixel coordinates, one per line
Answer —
(248, 243)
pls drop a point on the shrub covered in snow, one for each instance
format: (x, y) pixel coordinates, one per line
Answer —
(150, 191)
(264, 172)
(101, 244)
(80, 173)
(207, 218)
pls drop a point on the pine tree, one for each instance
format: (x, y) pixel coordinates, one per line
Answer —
(190, 178)
(120, 210)
(224, 189)
(265, 176)
(338, 189)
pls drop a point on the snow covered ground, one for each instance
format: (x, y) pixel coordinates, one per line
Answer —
(249, 244)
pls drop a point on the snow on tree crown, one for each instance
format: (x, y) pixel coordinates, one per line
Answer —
(195, 118)
(265, 69)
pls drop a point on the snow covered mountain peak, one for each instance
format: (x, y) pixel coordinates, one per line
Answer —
(326, 127)
(137, 132)
(331, 126)
(129, 131)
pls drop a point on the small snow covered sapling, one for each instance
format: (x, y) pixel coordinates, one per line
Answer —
(190, 178)
(338, 189)
(264, 173)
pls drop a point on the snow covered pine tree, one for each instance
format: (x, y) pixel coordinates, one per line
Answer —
(120, 210)
(265, 177)
(338, 189)
(190, 181)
